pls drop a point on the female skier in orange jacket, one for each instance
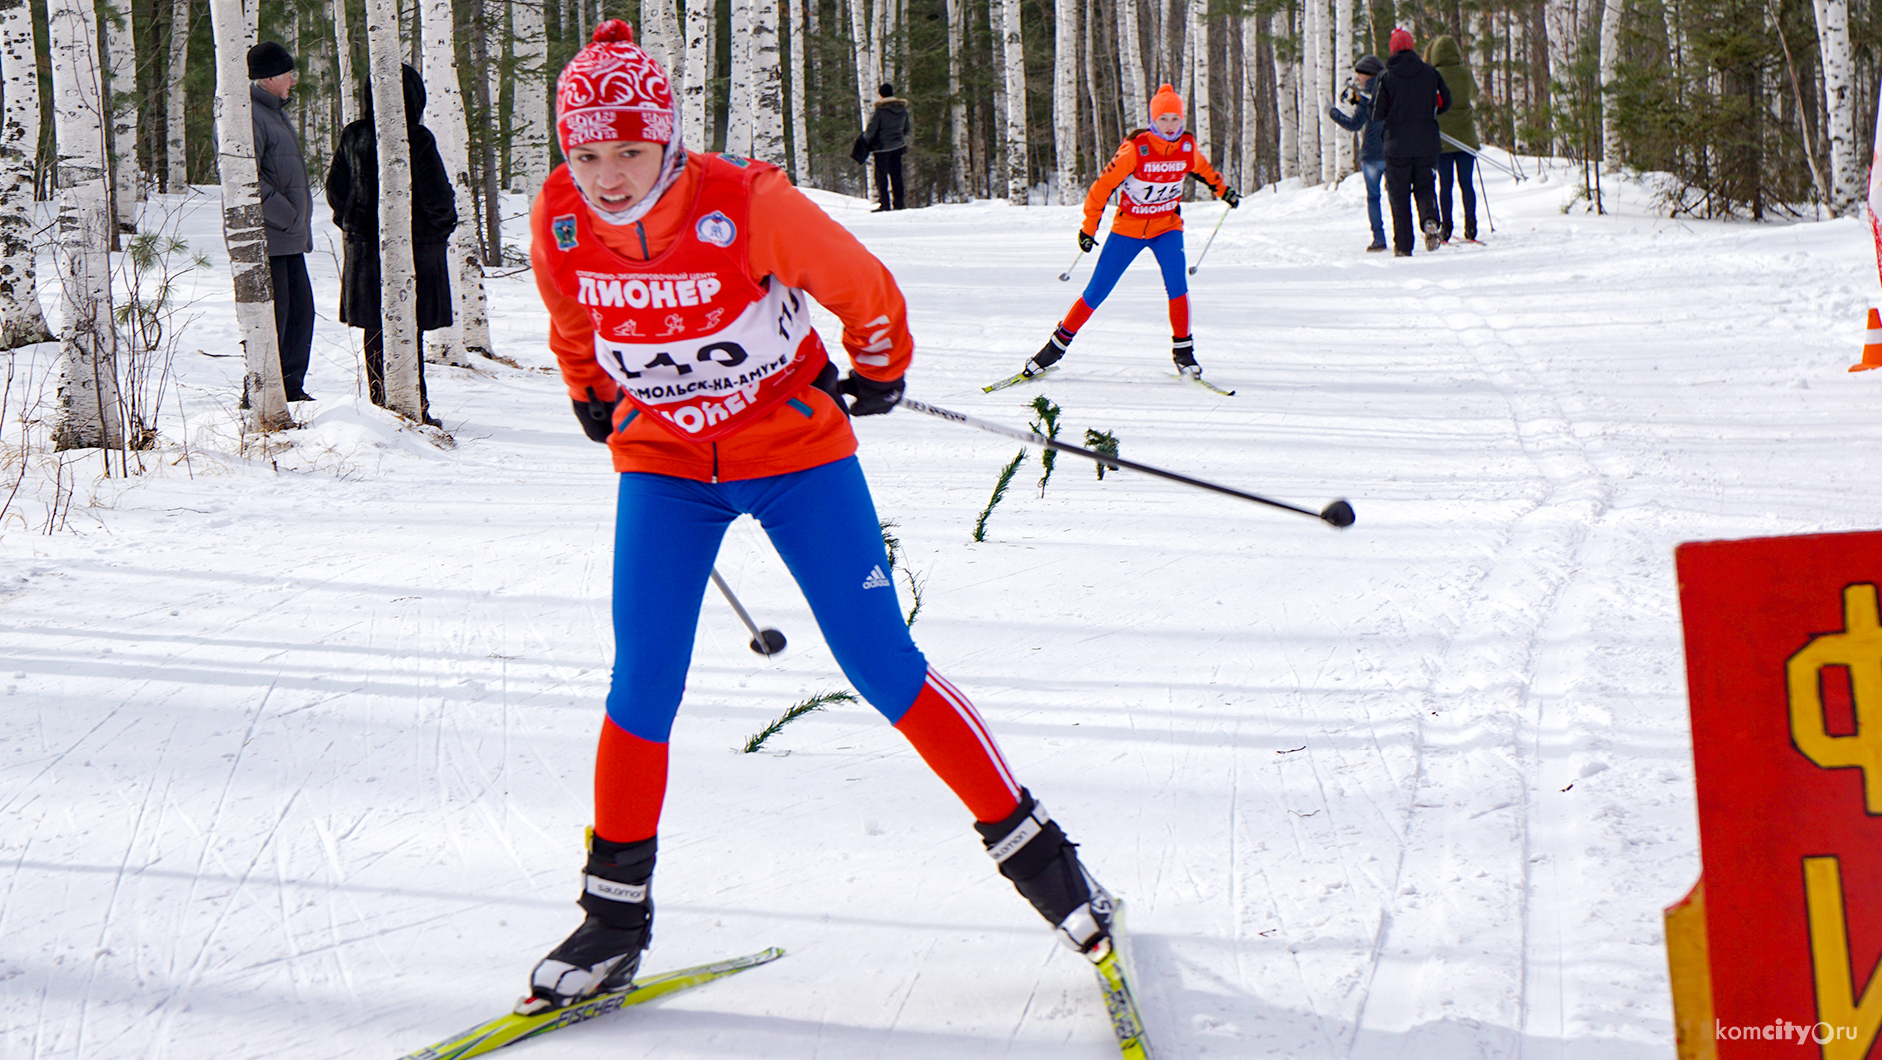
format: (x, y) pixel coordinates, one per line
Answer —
(1149, 168)
(676, 285)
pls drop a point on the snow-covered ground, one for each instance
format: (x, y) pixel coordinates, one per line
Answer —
(295, 741)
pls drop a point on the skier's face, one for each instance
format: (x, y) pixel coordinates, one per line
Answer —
(616, 174)
(1168, 124)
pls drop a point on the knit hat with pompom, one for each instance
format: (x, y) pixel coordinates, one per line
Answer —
(611, 90)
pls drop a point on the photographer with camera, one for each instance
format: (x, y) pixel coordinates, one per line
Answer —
(1358, 95)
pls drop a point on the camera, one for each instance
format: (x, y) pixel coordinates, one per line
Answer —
(1352, 93)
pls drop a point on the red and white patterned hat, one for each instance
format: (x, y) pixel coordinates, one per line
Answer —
(612, 90)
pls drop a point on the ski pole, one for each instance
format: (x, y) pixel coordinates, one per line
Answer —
(1067, 274)
(1486, 199)
(1206, 246)
(766, 642)
(1478, 155)
(1338, 514)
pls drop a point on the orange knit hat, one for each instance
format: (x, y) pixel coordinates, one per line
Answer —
(1166, 101)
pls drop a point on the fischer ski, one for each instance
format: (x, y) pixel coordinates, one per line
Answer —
(504, 1030)
(1018, 379)
(1120, 1001)
(1203, 383)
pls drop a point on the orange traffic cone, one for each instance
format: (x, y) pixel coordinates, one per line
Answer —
(1871, 345)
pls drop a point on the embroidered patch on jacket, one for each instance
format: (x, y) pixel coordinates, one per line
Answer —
(735, 160)
(1143, 149)
(1186, 146)
(717, 229)
(564, 229)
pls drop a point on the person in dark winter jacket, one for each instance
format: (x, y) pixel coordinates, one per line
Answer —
(1456, 164)
(1408, 100)
(287, 210)
(887, 136)
(353, 192)
(1371, 138)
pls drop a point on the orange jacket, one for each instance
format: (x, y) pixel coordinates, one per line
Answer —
(790, 239)
(1146, 148)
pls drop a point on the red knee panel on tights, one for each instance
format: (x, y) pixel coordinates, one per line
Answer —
(1179, 316)
(630, 785)
(1076, 317)
(951, 737)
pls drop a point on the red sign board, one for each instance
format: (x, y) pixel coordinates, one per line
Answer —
(1784, 675)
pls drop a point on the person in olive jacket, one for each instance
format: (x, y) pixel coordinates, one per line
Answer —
(887, 136)
(1358, 93)
(1409, 97)
(1455, 164)
(353, 192)
(287, 210)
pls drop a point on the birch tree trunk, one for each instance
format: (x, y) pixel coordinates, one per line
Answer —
(957, 101)
(767, 133)
(88, 414)
(1131, 60)
(1065, 97)
(1251, 102)
(348, 89)
(398, 292)
(176, 100)
(693, 92)
(21, 320)
(865, 59)
(468, 335)
(739, 89)
(264, 401)
(1839, 97)
(529, 107)
(796, 10)
(1287, 124)
(1198, 48)
(121, 105)
(656, 34)
(1312, 26)
(1342, 69)
(1018, 191)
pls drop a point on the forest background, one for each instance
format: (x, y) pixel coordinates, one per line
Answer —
(1753, 105)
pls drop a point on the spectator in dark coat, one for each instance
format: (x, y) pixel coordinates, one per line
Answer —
(1456, 164)
(1408, 101)
(1358, 93)
(353, 192)
(887, 136)
(287, 210)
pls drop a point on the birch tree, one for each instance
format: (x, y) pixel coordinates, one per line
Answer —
(529, 109)
(657, 35)
(767, 98)
(1345, 160)
(88, 415)
(798, 14)
(21, 319)
(865, 57)
(1312, 25)
(398, 292)
(739, 89)
(957, 102)
(693, 92)
(1839, 92)
(1198, 48)
(1287, 124)
(264, 401)
(1131, 61)
(121, 108)
(1018, 191)
(348, 89)
(1065, 96)
(468, 336)
(176, 99)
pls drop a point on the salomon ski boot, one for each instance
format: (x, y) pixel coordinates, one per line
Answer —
(1183, 352)
(1048, 354)
(1033, 852)
(604, 952)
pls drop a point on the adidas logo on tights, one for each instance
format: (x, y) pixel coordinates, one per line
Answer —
(876, 579)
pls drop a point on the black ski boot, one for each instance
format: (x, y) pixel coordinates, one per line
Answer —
(1033, 852)
(1183, 352)
(1048, 354)
(1431, 237)
(604, 953)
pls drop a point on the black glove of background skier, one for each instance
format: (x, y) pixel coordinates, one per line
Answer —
(869, 397)
(1232, 197)
(1086, 241)
(596, 416)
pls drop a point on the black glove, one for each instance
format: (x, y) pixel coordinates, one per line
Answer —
(1231, 196)
(596, 416)
(1086, 241)
(868, 396)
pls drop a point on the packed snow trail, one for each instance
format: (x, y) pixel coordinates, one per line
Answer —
(294, 741)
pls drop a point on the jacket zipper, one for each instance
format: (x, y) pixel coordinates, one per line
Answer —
(715, 462)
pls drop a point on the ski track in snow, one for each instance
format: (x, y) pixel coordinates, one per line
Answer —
(295, 745)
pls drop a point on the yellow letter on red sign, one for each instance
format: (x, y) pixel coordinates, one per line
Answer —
(1858, 647)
